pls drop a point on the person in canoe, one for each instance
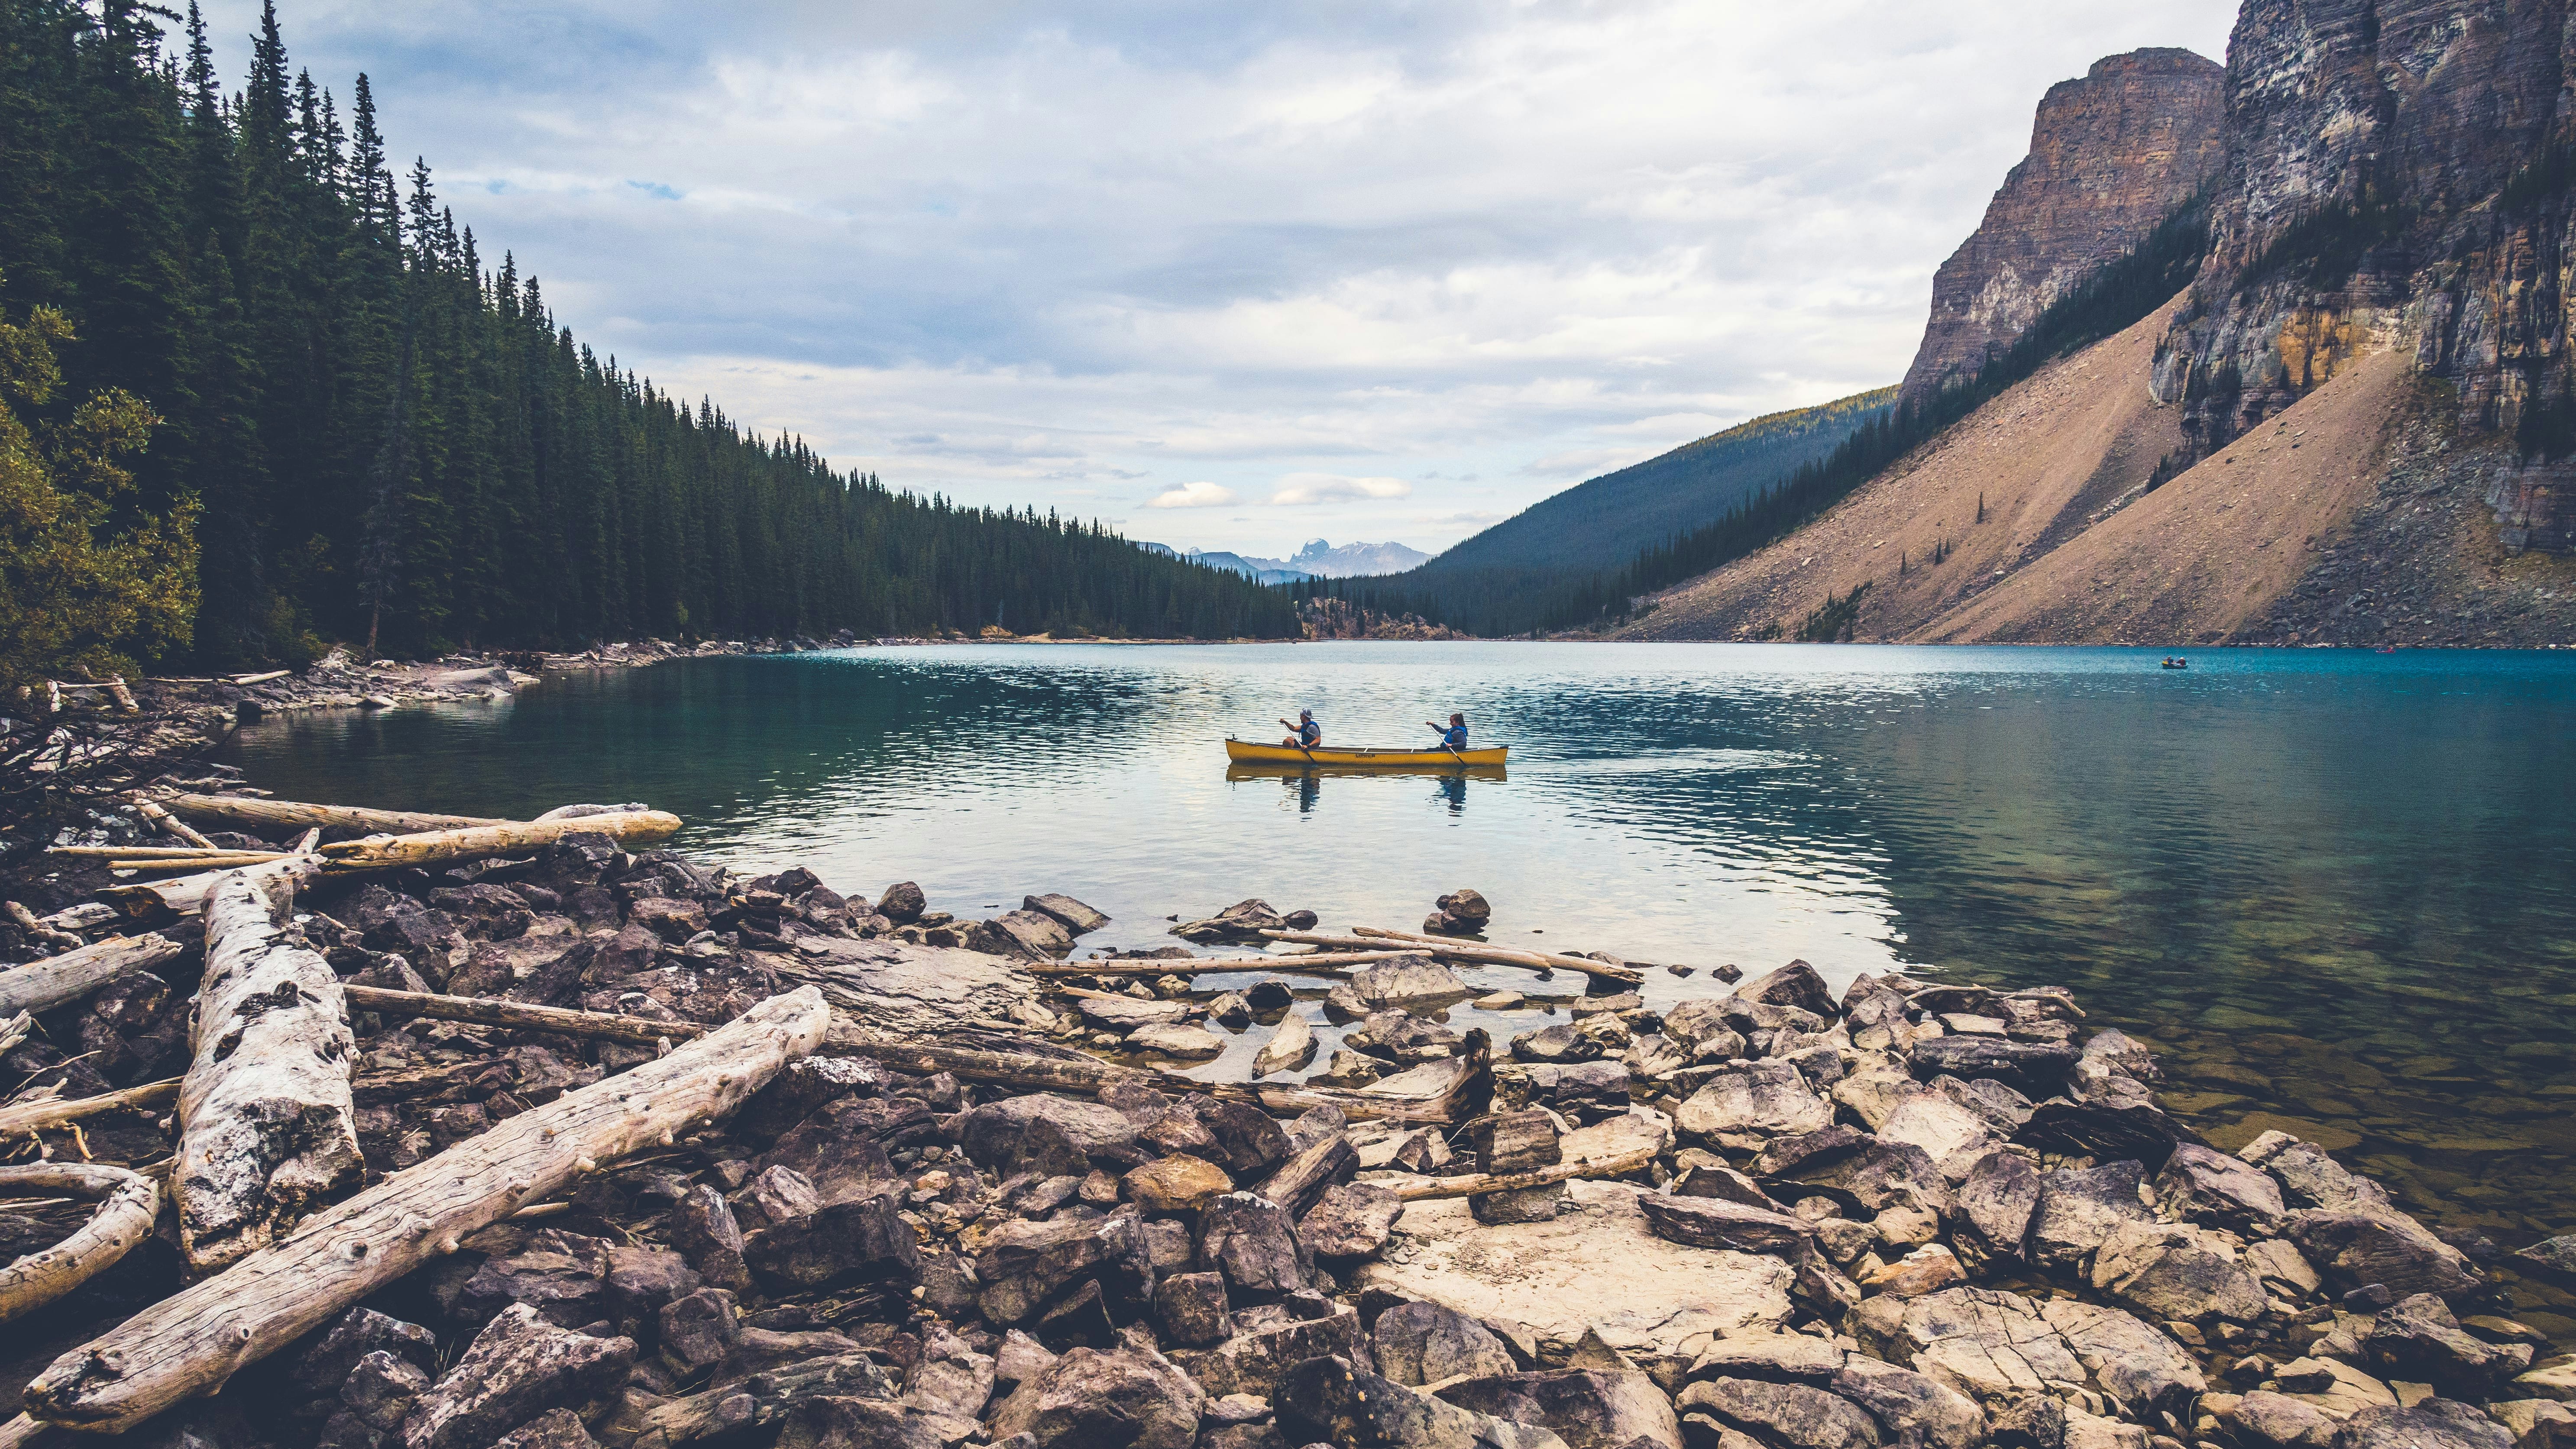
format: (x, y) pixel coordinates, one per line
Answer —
(1308, 733)
(1453, 736)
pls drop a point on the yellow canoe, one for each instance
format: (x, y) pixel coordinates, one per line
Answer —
(1244, 751)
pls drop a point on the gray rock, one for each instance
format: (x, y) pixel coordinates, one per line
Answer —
(1019, 1358)
(2120, 1128)
(553, 1429)
(1033, 935)
(1746, 1104)
(1404, 980)
(2553, 1258)
(1249, 1240)
(902, 903)
(1699, 1027)
(1587, 1408)
(1400, 1036)
(1192, 1309)
(702, 1226)
(2432, 1424)
(2266, 1420)
(2136, 1366)
(2418, 1340)
(1708, 1222)
(1271, 1339)
(1333, 1401)
(2384, 1246)
(1914, 1410)
(518, 1367)
(2004, 1109)
(1245, 1140)
(1558, 1043)
(2029, 1066)
(1076, 918)
(2123, 1054)
(1953, 1136)
(1089, 1397)
(996, 1135)
(1881, 1175)
(382, 1389)
(2311, 1179)
(1716, 1180)
(2211, 1188)
(864, 1241)
(1990, 1345)
(1779, 1358)
(1024, 1265)
(352, 1336)
(1796, 985)
(699, 1331)
(1424, 1343)
(1351, 1220)
(1588, 1091)
(1177, 1041)
(2174, 1271)
(1791, 1416)
(1996, 1200)
(2078, 1208)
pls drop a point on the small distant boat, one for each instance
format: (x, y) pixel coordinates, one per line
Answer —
(2173, 663)
(1246, 752)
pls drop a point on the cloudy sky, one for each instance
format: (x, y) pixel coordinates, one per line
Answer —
(1230, 276)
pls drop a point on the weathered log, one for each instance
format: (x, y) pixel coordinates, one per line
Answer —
(194, 1340)
(246, 680)
(26, 921)
(1365, 937)
(1327, 963)
(387, 852)
(173, 824)
(482, 1011)
(128, 1203)
(1303, 1178)
(74, 974)
(1471, 1081)
(159, 900)
(142, 852)
(270, 817)
(1618, 1164)
(1008, 1069)
(266, 1124)
(228, 860)
(36, 1116)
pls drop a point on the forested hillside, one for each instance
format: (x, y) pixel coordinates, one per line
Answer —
(391, 439)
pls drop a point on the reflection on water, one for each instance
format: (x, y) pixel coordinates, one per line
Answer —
(2335, 890)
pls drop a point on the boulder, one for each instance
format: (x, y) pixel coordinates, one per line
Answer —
(1997, 1199)
(1351, 1220)
(838, 1149)
(1179, 1183)
(1791, 1416)
(2357, 1248)
(1780, 1358)
(2432, 1424)
(1174, 1040)
(1745, 1104)
(1290, 1048)
(2216, 1190)
(864, 1240)
(1557, 1043)
(1133, 1399)
(1928, 1269)
(1402, 981)
(1333, 1401)
(2134, 1365)
(1248, 1141)
(1954, 1137)
(2078, 1207)
(382, 1389)
(1025, 1265)
(1914, 1410)
(1076, 918)
(1877, 1177)
(2266, 1420)
(1597, 1267)
(2134, 1129)
(2417, 1339)
(324, 1367)
(1992, 1346)
(902, 903)
(1710, 1222)
(1587, 1090)
(2554, 1258)
(2333, 1385)
(1192, 1309)
(2311, 1179)
(1033, 935)
(553, 1429)
(1249, 1240)
(2174, 1271)
(1423, 1342)
(2029, 1066)
(2004, 1109)
(699, 1331)
(996, 1134)
(1272, 1338)
(1587, 1408)
(518, 1367)
(1467, 907)
(1700, 1028)
(1796, 985)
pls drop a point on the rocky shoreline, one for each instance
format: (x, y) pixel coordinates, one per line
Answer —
(981, 1210)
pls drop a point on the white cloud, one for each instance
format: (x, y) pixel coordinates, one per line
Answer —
(1299, 490)
(1027, 252)
(1194, 495)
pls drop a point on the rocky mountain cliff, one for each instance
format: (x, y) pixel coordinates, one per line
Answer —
(2111, 155)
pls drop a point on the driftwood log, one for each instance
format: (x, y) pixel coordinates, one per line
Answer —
(26, 921)
(226, 860)
(1618, 1164)
(36, 1116)
(128, 1202)
(173, 824)
(1371, 937)
(40, 985)
(482, 1011)
(1322, 963)
(274, 817)
(388, 852)
(158, 900)
(266, 1124)
(196, 1339)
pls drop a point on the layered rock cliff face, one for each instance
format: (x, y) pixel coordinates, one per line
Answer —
(2398, 177)
(2111, 155)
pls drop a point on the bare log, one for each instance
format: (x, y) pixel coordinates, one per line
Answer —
(1618, 1164)
(159, 900)
(272, 817)
(173, 824)
(228, 860)
(36, 1116)
(1367, 937)
(75, 974)
(266, 1124)
(1009, 1069)
(246, 680)
(196, 1339)
(482, 1011)
(141, 852)
(128, 1203)
(26, 921)
(386, 852)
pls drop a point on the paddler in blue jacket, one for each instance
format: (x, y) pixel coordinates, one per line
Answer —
(1308, 733)
(1455, 736)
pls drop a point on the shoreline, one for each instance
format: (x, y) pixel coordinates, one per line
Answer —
(1922, 1208)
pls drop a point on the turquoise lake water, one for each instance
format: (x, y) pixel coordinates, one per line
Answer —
(2335, 891)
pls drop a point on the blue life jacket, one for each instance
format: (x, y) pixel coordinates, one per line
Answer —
(1310, 732)
(1455, 737)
